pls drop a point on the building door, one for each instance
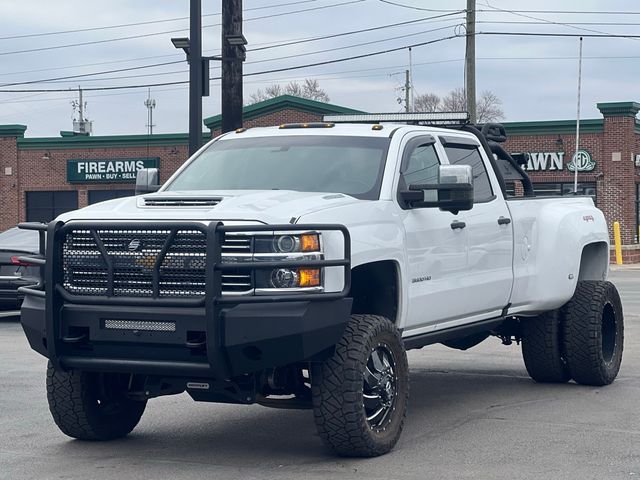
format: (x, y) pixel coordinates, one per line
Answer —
(45, 206)
(96, 196)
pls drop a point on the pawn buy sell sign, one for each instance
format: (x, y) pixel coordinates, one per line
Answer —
(120, 170)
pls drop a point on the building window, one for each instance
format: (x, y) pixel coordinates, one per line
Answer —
(557, 189)
(96, 196)
(45, 206)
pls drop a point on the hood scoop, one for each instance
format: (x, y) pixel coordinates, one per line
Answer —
(181, 201)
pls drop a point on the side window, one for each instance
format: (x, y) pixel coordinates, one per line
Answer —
(469, 155)
(422, 166)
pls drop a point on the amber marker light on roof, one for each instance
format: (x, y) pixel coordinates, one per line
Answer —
(309, 242)
(309, 277)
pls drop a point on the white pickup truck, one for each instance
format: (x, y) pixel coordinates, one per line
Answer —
(293, 267)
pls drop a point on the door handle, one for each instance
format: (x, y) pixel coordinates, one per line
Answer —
(504, 221)
(457, 225)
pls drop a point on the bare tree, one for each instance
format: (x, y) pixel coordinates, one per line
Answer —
(456, 101)
(309, 89)
(488, 106)
(273, 91)
(428, 102)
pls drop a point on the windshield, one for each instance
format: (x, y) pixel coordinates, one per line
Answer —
(349, 165)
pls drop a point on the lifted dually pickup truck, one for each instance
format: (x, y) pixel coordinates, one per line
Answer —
(293, 267)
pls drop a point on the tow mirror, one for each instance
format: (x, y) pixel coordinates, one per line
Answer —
(147, 180)
(452, 193)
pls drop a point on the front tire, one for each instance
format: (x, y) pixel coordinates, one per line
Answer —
(91, 406)
(594, 333)
(360, 394)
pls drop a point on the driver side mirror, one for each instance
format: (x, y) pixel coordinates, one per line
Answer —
(454, 190)
(147, 180)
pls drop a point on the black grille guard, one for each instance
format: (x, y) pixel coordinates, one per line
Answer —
(50, 287)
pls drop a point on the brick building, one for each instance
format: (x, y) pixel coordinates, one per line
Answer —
(42, 177)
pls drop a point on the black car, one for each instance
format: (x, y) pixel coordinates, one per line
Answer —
(14, 273)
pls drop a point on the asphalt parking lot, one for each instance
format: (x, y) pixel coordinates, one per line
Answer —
(473, 414)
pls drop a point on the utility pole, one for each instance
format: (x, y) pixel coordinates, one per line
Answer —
(195, 76)
(81, 125)
(470, 60)
(407, 91)
(80, 105)
(233, 54)
(150, 103)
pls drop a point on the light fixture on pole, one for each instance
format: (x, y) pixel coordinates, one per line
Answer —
(182, 43)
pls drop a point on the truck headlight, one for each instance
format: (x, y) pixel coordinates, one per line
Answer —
(287, 248)
(295, 277)
(303, 243)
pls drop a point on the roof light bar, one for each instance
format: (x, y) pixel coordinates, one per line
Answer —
(427, 117)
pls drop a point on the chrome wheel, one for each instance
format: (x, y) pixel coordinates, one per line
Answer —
(380, 387)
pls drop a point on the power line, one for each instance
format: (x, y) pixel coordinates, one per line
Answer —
(21, 99)
(69, 77)
(352, 32)
(57, 80)
(412, 7)
(137, 24)
(522, 22)
(287, 43)
(560, 35)
(146, 35)
(275, 70)
(513, 12)
(574, 12)
(109, 62)
(91, 74)
(334, 49)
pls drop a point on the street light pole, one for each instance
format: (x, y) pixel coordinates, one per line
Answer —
(195, 76)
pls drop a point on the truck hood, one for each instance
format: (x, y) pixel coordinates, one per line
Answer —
(265, 206)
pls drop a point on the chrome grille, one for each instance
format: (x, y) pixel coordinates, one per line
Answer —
(133, 255)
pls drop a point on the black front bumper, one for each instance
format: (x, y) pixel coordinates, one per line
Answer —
(254, 337)
(214, 337)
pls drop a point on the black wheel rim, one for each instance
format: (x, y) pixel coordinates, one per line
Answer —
(109, 391)
(380, 387)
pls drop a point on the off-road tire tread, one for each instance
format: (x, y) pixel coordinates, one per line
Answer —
(542, 349)
(69, 399)
(337, 390)
(582, 333)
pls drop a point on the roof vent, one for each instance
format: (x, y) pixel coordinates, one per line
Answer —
(181, 201)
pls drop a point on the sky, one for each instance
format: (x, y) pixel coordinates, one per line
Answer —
(535, 77)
